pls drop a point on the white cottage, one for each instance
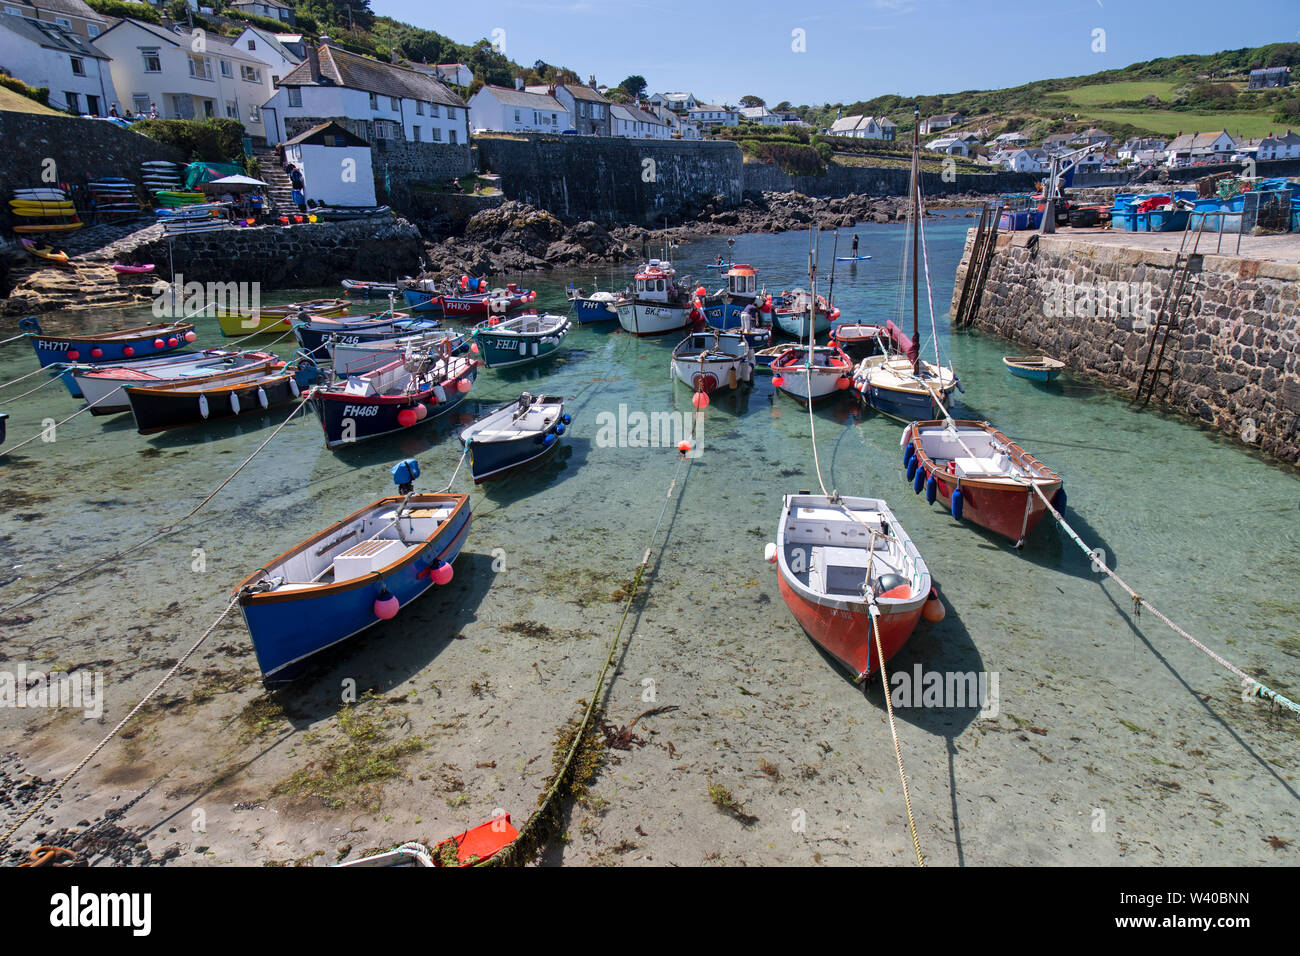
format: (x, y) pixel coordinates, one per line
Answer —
(634, 123)
(502, 109)
(373, 100)
(43, 53)
(280, 59)
(186, 76)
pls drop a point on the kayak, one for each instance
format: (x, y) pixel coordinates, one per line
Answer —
(48, 227)
(851, 258)
(133, 269)
(46, 252)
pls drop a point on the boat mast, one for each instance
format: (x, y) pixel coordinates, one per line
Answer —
(916, 238)
(812, 302)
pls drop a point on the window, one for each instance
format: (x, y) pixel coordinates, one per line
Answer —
(225, 68)
(140, 103)
(374, 101)
(208, 110)
(433, 109)
(78, 66)
(92, 30)
(200, 68)
(152, 61)
(419, 107)
(394, 104)
(451, 112)
(451, 137)
(73, 101)
(415, 134)
(516, 116)
(252, 44)
(250, 73)
(437, 135)
(254, 114)
(232, 109)
(63, 22)
(295, 96)
(555, 120)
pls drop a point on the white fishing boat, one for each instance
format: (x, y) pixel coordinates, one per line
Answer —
(101, 385)
(812, 373)
(707, 360)
(656, 303)
(357, 358)
(791, 314)
(523, 431)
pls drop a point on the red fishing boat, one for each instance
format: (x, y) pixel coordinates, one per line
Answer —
(467, 304)
(980, 475)
(847, 567)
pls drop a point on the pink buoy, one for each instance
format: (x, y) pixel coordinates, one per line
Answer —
(474, 348)
(386, 606)
(73, 355)
(684, 447)
(464, 385)
(700, 400)
(441, 573)
(191, 335)
(407, 417)
(159, 344)
(128, 351)
(421, 412)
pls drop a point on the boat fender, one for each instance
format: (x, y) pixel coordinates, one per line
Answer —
(907, 450)
(203, 406)
(566, 418)
(769, 552)
(261, 397)
(559, 429)
(1058, 500)
(548, 439)
(919, 482)
(293, 387)
(934, 611)
(911, 469)
(956, 504)
(386, 606)
(931, 490)
(731, 379)
(234, 402)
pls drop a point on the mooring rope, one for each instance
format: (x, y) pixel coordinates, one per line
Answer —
(893, 731)
(122, 723)
(1256, 688)
(15, 338)
(593, 708)
(167, 529)
(48, 381)
(21, 378)
(56, 425)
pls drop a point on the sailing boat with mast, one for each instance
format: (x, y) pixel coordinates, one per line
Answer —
(899, 384)
(817, 371)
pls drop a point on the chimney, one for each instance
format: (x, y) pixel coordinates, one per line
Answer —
(591, 81)
(326, 40)
(519, 82)
(313, 61)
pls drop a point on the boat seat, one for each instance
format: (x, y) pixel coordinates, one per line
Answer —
(977, 467)
(844, 569)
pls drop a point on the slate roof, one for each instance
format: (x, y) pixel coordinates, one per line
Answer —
(341, 68)
(51, 36)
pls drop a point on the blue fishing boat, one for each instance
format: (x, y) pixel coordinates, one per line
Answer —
(425, 295)
(524, 338)
(723, 309)
(527, 429)
(315, 334)
(597, 307)
(96, 348)
(352, 575)
(394, 397)
(1036, 368)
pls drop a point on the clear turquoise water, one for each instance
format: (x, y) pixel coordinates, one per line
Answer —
(1203, 528)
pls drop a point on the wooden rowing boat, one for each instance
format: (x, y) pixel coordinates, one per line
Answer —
(1036, 368)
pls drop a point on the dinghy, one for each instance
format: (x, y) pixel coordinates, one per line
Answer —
(101, 386)
(368, 288)
(1036, 368)
(394, 397)
(45, 252)
(895, 386)
(847, 568)
(859, 339)
(352, 575)
(158, 408)
(279, 318)
(135, 268)
(524, 338)
(705, 361)
(979, 475)
(527, 429)
(763, 358)
(812, 373)
(98, 347)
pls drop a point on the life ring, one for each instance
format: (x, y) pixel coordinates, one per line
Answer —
(445, 349)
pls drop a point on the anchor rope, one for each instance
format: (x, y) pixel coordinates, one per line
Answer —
(120, 724)
(165, 530)
(594, 708)
(1256, 688)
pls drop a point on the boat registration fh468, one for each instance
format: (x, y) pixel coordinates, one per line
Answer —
(76, 909)
(360, 411)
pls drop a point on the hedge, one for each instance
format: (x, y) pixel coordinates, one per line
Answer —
(41, 94)
(121, 9)
(210, 140)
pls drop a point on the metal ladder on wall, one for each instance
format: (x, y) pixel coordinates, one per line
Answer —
(1166, 323)
(977, 270)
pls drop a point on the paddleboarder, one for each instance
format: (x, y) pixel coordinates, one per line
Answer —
(854, 253)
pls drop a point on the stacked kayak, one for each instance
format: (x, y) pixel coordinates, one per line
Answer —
(113, 198)
(43, 210)
(160, 176)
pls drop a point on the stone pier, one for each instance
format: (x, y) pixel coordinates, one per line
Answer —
(1089, 298)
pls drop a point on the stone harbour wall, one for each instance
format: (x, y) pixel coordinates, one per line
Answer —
(412, 164)
(612, 180)
(1235, 356)
(300, 256)
(839, 181)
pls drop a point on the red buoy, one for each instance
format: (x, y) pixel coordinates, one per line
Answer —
(407, 417)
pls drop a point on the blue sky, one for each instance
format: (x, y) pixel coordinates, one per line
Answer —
(853, 50)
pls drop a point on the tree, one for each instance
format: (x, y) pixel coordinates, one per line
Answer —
(748, 102)
(634, 86)
(782, 107)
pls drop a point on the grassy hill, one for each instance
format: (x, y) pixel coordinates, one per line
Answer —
(1161, 96)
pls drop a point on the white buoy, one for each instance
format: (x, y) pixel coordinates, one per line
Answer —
(203, 405)
(769, 552)
(261, 397)
(293, 386)
(234, 403)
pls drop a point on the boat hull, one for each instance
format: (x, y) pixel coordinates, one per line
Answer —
(348, 419)
(589, 312)
(905, 406)
(847, 635)
(425, 303)
(54, 349)
(497, 459)
(289, 628)
(796, 323)
(316, 340)
(161, 409)
(104, 394)
(651, 318)
(274, 319)
(505, 349)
